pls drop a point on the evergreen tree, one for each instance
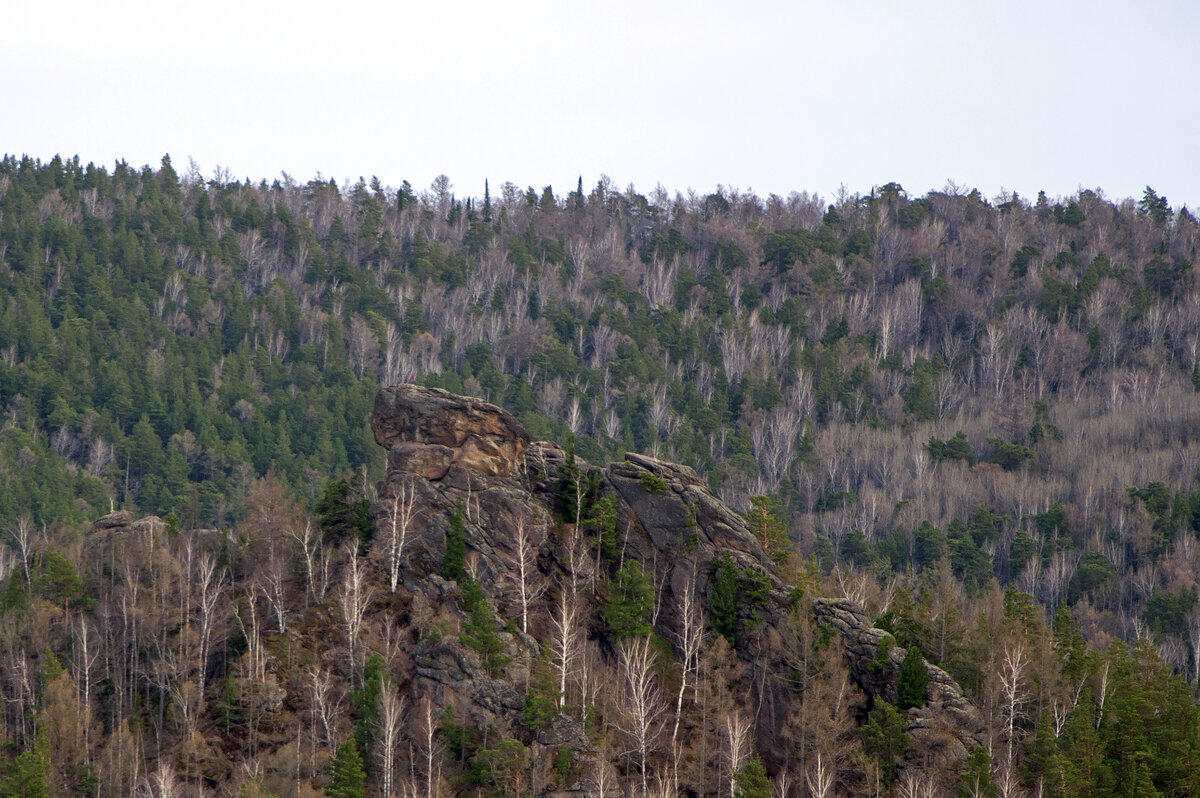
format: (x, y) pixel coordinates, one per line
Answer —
(723, 599)
(26, 776)
(455, 556)
(630, 601)
(884, 739)
(346, 775)
(977, 781)
(767, 528)
(479, 631)
(912, 680)
(366, 703)
(567, 487)
(752, 781)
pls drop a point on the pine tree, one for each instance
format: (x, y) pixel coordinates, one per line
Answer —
(912, 680)
(630, 602)
(884, 739)
(752, 780)
(347, 776)
(26, 776)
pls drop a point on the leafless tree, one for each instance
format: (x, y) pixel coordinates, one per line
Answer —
(326, 704)
(773, 438)
(391, 713)
(1008, 783)
(429, 745)
(736, 351)
(658, 281)
(402, 512)
(997, 359)
(87, 653)
(819, 778)
(737, 745)
(579, 565)
(271, 579)
(691, 640)
(1193, 625)
(353, 600)
(913, 784)
(642, 705)
(161, 783)
(309, 546)
(781, 785)
(1102, 693)
(523, 558)
(212, 589)
(574, 413)
(564, 638)
(22, 532)
(604, 777)
(1012, 671)
(251, 629)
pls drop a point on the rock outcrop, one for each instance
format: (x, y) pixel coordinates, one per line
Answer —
(946, 729)
(451, 456)
(427, 431)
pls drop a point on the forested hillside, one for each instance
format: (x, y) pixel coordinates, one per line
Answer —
(942, 397)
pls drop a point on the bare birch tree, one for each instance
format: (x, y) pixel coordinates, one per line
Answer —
(819, 778)
(212, 589)
(1012, 670)
(642, 706)
(402, 513)
(564, 640)
(390, 725)
(913, 784)
(87, 652)
(326, 704)
(353, 600)
(309, 544)
(523, 558)
(161, 783)
(691, 639)
(22, 534)
(430, 747)
(737, 746)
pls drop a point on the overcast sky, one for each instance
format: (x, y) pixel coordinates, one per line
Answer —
(1023, 95)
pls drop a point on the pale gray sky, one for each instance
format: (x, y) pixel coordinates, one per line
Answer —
(765, 95)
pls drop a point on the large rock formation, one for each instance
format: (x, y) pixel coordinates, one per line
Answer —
(449, 454)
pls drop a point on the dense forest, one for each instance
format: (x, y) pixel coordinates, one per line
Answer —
(963, 411)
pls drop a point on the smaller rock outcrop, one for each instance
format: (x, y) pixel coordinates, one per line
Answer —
(946, 729)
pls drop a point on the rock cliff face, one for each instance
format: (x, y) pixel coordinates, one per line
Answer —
(446, 452)
(427, 431)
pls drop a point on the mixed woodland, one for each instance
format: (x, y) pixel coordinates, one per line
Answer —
(978, 417)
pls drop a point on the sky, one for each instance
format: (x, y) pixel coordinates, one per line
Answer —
(756, 95)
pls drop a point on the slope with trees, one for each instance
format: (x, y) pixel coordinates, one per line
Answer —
(943, 398)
